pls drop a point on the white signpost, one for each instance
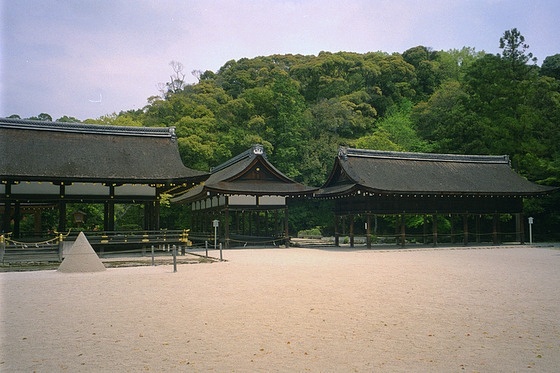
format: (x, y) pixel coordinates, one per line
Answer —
(215, 224)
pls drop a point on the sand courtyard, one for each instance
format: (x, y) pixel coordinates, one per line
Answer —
(485, 309)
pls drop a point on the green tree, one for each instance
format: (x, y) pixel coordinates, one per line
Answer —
(551, 66)
(43, 116)
(68, 119)
(514, 49)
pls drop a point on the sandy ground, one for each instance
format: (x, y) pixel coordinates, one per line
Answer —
(318, 310)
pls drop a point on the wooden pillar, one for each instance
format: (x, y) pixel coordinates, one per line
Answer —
(17, 220)
(452, 234)
(237, 222)
(37, 222)
(250, 218)
(351, 230)
(402, 230)
(336, 232)
(147, 216)
(495, 219)
(226, 225)
(434, 229)
(5, 224)
(61, 216)
(424, 230)
(156, 214)
(192, 218)
(368, 231)
(465, 229)
(109, 216)
(286, 228)
(6, 217)
(267, 223)
(477, 227)
(521, 221)
(277, 231)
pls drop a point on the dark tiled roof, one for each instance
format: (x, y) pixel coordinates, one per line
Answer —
(249, 173)
(394, 172)
(36, 150)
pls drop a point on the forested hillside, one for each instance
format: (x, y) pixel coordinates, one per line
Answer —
(301, 108)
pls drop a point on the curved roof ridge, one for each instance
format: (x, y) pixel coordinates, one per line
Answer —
(256, 149)
(345, 152)
(27, 124)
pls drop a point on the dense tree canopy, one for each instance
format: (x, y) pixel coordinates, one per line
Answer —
(301, 108)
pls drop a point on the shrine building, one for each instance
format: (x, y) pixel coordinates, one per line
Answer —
(370, 182)
(52, 164)
(247, 197)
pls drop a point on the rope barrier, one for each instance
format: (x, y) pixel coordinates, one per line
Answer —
(25, 245)
(257, 241)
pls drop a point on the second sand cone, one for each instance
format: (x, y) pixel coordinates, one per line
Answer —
(81, 258)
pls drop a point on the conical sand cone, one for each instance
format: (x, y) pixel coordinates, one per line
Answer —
(81, 258)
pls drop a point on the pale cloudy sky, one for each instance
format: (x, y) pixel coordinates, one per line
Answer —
(57, 56)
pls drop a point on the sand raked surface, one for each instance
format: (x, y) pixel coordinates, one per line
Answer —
(294, 310)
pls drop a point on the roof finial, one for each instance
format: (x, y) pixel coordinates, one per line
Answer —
(343, 152)
(258, 149)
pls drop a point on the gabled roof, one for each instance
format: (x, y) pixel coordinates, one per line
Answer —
(385, 172)
(56, 151)
(249, 173)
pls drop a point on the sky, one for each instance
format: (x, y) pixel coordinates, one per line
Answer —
(90, 58)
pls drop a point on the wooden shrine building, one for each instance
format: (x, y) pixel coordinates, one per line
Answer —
(249, 198)
(370, 182)
(54, 163)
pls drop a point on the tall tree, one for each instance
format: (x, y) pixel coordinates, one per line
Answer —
(514, 48)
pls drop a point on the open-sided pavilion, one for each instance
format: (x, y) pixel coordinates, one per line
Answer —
(54, 163)
(245, 197)
(370, 183)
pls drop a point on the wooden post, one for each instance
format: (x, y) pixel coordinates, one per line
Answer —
(61, 216)
(109, 216)
(465, 229)
(368, 231)
(17, 219)
(157, 206)
(477, 227)
(336, 232)
(2, 248)
(403, 231)
(250, 221)
(37, 221)
(147, 221)
(60, 246)
(521, 219)
(277, 226)
(226, 224)
(452, 235)
(495, 229)
(351, 230)
(434, 229)
(7, 217)
(424, 230)
(286, 228)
